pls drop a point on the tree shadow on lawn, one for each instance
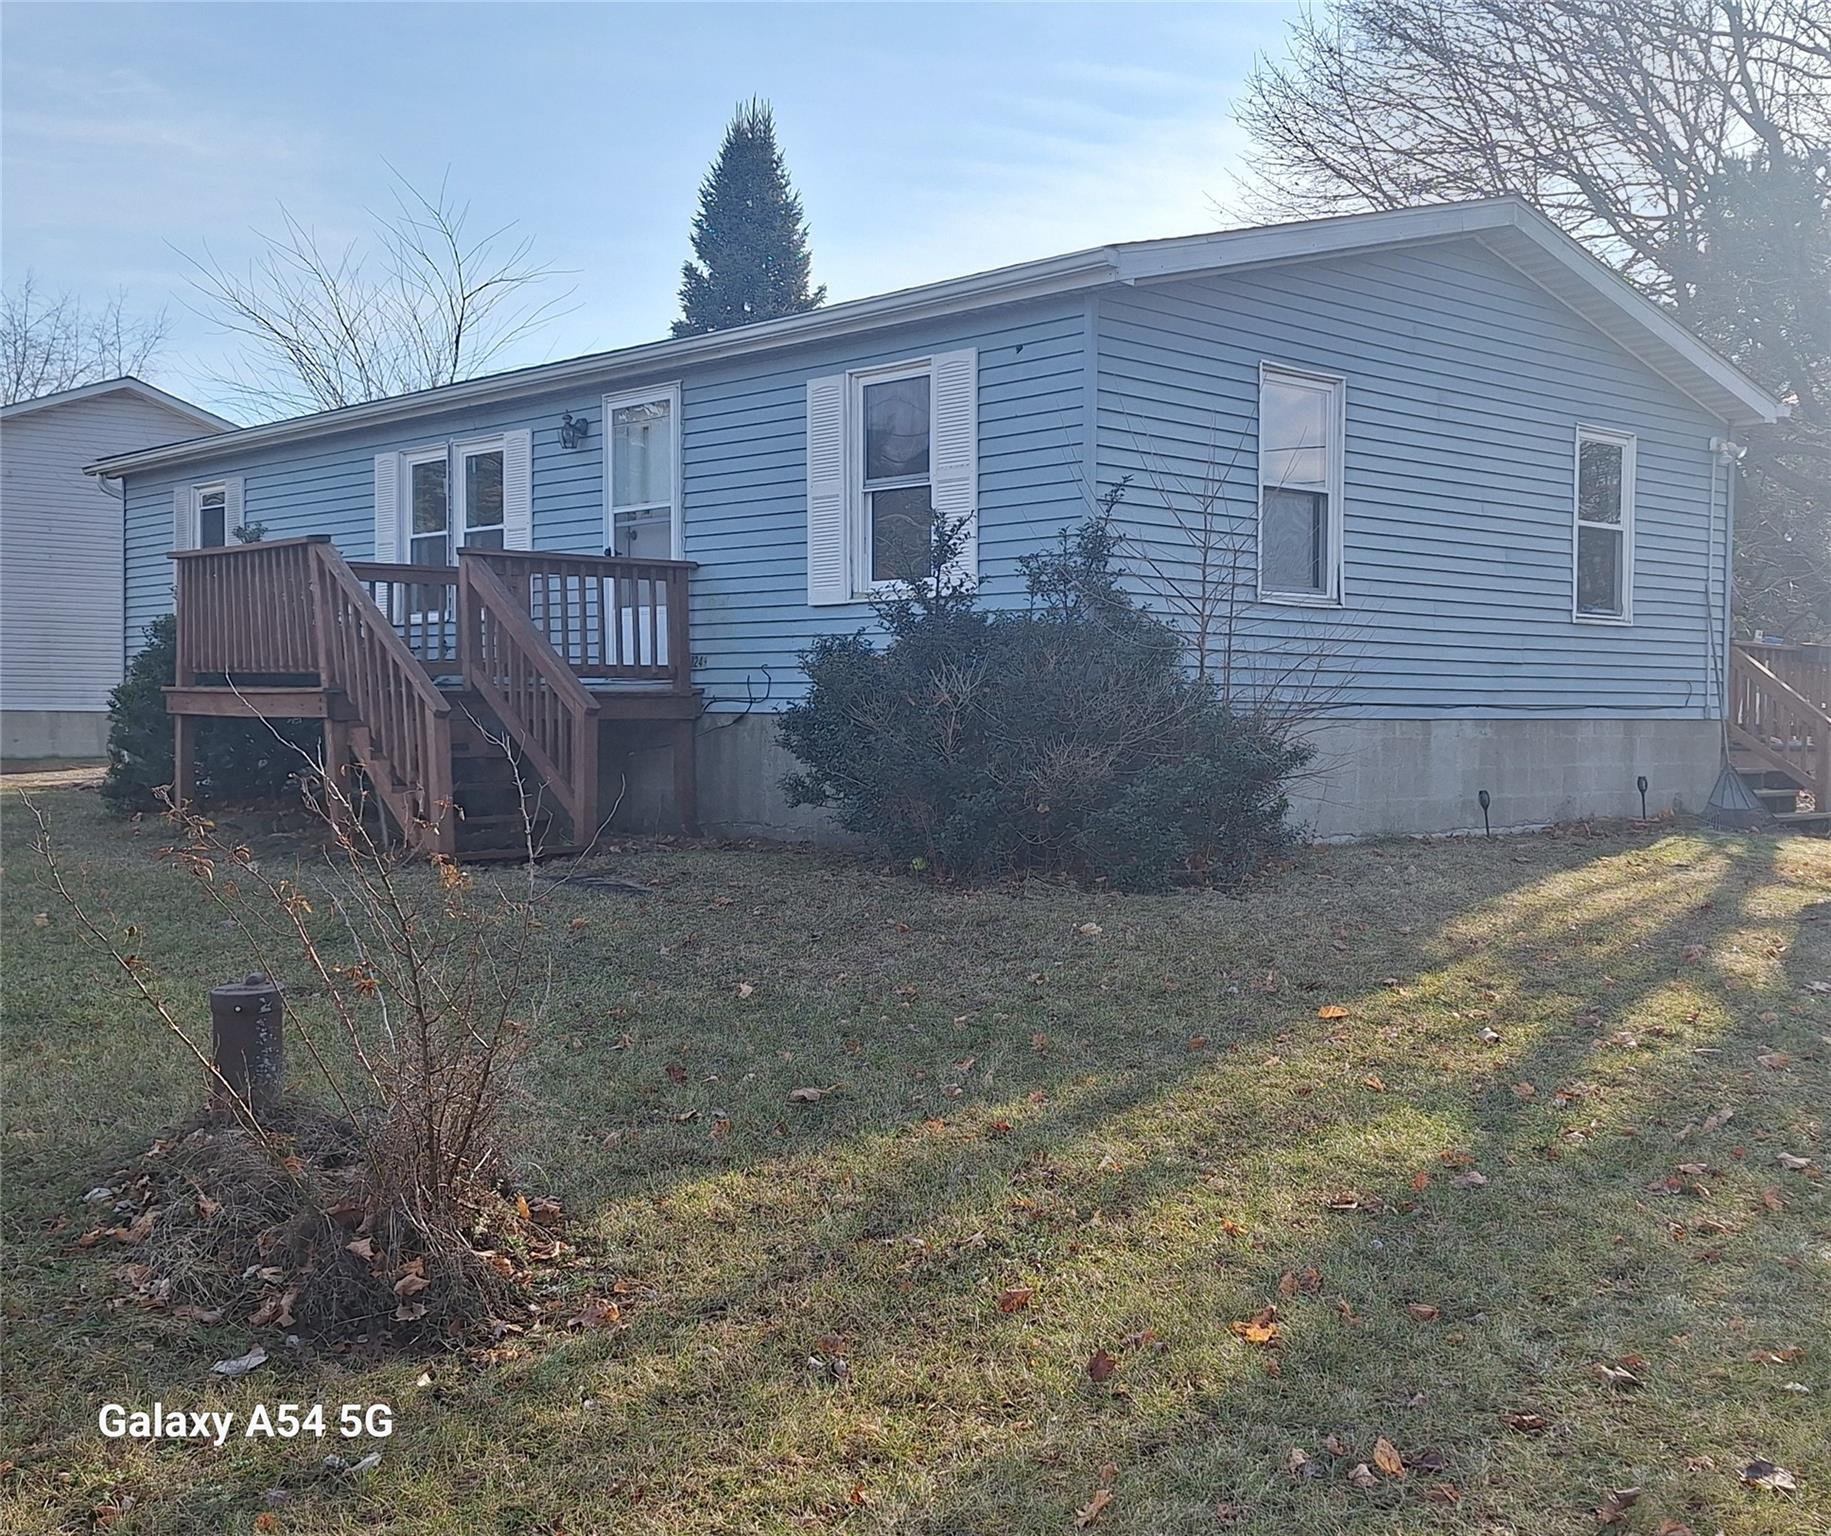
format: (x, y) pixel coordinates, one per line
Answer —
(869, 1231)
(889, 1241)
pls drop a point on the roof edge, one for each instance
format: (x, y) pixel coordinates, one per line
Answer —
(1740, 400)
(126, 384)
(1001, 285)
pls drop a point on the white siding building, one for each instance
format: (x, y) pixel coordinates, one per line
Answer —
(61, 640)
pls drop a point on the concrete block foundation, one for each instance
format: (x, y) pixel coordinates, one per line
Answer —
(1371, 778)
(1375, 778)
(26, 733)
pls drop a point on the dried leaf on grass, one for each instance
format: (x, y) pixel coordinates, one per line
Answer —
(1261, 1328)
(1615, 1507)
(1093, 1508)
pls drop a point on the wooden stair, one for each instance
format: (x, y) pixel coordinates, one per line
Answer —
(1780, 730)
(453, 698)
(504, 809)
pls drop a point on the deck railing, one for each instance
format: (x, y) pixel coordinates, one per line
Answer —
(402, 730)
(422, 602)
(545, 709)
(1780, 709)
(246, 610)
(611, 618)
(523, 629)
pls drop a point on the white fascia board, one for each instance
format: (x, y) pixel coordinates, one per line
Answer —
(1722, 377)
(1192, 255)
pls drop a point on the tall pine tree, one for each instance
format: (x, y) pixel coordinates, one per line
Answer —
(751, 259)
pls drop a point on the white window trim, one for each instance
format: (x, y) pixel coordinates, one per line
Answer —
(453, 452)
(858, 521)
(198, 492)
(1336, 457)
(1626, 441)
(676, 517)
(461, 449)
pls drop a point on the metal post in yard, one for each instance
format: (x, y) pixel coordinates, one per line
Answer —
(245, 1037)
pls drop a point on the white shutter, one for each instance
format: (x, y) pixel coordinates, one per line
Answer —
(232, 508)
(828, 570)
(184, 525)
(388, 507)
(518, 490)
(954, 451)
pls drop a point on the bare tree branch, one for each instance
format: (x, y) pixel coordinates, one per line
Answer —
(53, 343)
(421, 303)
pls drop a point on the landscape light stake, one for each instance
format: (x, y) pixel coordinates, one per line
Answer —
(1641, 785)
(1486, 826)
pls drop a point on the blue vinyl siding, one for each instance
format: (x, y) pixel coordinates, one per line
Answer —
(744, 473)
(1465, 385)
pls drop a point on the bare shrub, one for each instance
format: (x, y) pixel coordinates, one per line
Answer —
(377, 1199)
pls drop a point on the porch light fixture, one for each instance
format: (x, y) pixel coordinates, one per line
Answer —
(573, 430)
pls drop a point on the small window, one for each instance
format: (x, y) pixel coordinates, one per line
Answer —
(1300, 478)
(895, 488)
(212, 504)
(644, 502)
(1603, 550)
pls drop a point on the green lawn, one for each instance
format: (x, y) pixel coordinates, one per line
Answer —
(1145, 1122)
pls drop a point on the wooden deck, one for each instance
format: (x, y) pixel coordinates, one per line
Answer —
(1779, 726)
(460, 697)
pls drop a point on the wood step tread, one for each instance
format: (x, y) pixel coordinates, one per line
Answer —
(509, 853)
(504, 819)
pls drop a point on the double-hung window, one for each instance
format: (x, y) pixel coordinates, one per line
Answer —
(892, 459)
(642, 443)
(1603, 539)
(892, 452)
(440, 523)
(1301, 426)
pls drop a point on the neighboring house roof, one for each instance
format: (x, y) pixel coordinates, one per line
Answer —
(1508, 226)
(125, 386)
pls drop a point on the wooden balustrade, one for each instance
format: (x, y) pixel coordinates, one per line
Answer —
(612, 618)
(403, 730)
(1806, 669)
(532, 690)
(422, 602)
(1780, 710)
(246, 610)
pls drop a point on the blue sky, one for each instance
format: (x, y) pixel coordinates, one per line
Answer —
(926, 141)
